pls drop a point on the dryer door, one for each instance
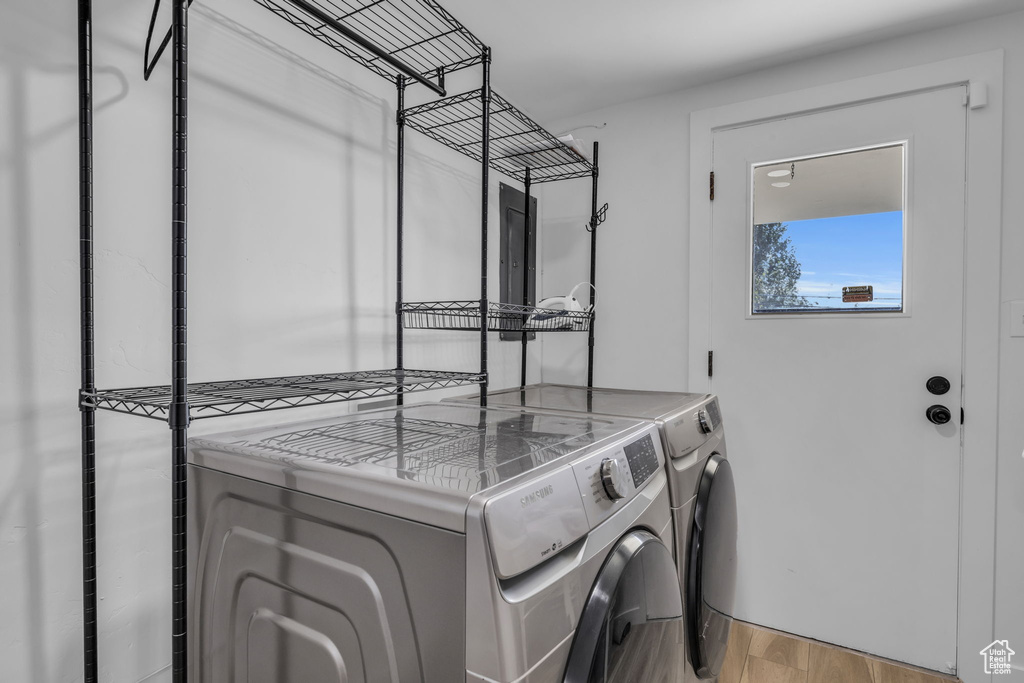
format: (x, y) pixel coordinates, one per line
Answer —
(631, 628)
(711, 575)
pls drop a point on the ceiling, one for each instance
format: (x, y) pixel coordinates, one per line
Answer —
(847, 184)
(564, 57)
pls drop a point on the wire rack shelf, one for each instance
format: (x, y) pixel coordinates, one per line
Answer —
(419, 34)
(501, 317)
(236, 397)
(517, 142)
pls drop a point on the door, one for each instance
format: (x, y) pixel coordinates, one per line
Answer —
(631, 627)
(836, 296)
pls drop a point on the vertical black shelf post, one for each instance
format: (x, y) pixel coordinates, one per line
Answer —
(179, 412)
(400, 227)
(526, 277)
(85, 255)
(485, 159)
(593, 271)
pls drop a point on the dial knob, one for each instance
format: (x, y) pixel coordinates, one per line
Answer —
(613, 478)
(705, 422)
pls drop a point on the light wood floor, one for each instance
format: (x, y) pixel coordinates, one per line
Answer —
(759, 655)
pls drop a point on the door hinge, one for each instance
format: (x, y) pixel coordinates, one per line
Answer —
(712, 186)
(711, 363)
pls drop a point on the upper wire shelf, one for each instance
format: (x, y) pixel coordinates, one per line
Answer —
(501, 317)
(417, 33)
(236, 397)
(517, 142)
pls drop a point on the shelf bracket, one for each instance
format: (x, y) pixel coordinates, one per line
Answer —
(179, 416)
(86, 400)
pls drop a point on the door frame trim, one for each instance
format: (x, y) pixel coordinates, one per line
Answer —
(983, 228)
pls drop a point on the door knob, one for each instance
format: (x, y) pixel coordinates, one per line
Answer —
(937, 385)
(937, 414)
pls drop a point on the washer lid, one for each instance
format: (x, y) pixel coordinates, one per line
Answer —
(711, 572)
(420, 462)
(649, 405)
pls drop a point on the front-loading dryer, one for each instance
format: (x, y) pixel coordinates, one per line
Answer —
(434, 543)
(701, 490)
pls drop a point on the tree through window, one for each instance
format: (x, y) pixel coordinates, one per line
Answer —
(776, 270)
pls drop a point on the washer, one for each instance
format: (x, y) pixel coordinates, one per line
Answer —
(702, 493)
(434, 543)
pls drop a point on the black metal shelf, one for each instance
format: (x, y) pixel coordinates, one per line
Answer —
(406, 42)
(237, 397)
(501, 317)
(384, 35)
(517, 142)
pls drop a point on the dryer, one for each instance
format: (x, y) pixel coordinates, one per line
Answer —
(701, 488)
(434, 543)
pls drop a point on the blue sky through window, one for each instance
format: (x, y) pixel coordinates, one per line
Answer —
(844, 251)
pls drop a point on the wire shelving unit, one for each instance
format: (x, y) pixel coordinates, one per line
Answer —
(407, 42)
(501, 317)
(517, 142)
(522, 149)
(418, 33)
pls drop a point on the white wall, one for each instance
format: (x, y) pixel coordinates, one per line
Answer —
(291, 266)
(642, 261)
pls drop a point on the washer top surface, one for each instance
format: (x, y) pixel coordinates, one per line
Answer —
(649, 405)
(422, 462)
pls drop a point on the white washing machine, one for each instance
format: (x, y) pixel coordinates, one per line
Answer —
(434, 543)
(702, 493)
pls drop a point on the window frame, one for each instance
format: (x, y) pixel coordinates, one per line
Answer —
(906, 304)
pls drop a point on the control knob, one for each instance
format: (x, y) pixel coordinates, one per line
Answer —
(705, 422)
(613, 478)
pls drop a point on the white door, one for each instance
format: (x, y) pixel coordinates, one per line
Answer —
(848, 495)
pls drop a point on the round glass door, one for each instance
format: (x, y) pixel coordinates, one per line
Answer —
(631, 628)
(711, 574)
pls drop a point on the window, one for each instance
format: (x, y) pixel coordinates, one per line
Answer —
(828, 233)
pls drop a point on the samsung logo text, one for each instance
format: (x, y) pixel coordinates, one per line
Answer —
(539, 494)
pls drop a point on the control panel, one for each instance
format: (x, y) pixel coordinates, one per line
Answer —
(643, 459)
(690, 428)
(531, 523)
(713, 414)
(609, 478)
